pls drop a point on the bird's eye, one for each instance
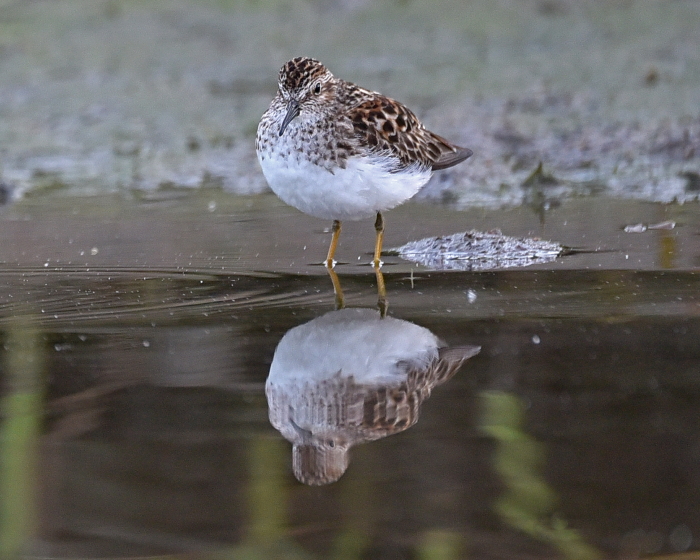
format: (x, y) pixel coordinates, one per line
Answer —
(331, 443)
(317, 88)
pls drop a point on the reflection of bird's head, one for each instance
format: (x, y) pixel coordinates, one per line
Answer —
(321, 463)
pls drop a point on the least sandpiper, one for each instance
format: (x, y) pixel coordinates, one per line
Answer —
(337, 151)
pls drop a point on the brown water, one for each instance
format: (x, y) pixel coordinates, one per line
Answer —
(137, 337)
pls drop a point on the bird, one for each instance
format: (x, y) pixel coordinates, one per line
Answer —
(337, 151)
(352, 376)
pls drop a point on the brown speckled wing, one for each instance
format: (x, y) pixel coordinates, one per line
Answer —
(387, 126)
(389, 410)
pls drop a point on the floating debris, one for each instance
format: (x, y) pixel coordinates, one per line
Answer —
(641, 228)
(476, 250)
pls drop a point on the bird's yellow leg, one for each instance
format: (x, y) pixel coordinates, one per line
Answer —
(379, 228)
(337, 290)
(382, 302)
(330, 261)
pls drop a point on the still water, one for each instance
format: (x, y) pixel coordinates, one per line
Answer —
(543, 412)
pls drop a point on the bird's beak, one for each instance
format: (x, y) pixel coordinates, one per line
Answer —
(292, 112)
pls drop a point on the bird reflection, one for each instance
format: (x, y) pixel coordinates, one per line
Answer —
(348, 377)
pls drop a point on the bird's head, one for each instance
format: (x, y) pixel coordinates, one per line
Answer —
(304, 84)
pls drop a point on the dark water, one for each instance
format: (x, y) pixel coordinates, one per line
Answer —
(135, 422)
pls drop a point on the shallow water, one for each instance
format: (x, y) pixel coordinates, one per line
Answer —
(138, 335)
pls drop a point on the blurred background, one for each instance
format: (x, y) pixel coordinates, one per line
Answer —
(110, 95)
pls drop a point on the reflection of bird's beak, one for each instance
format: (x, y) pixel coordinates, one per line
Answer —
(305, 434)
(292, 111)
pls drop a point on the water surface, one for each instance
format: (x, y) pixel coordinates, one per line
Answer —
(137, 336)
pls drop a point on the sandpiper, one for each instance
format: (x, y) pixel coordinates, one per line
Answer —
(337, 151)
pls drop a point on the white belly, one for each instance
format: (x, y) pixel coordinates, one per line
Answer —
(360, 190)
